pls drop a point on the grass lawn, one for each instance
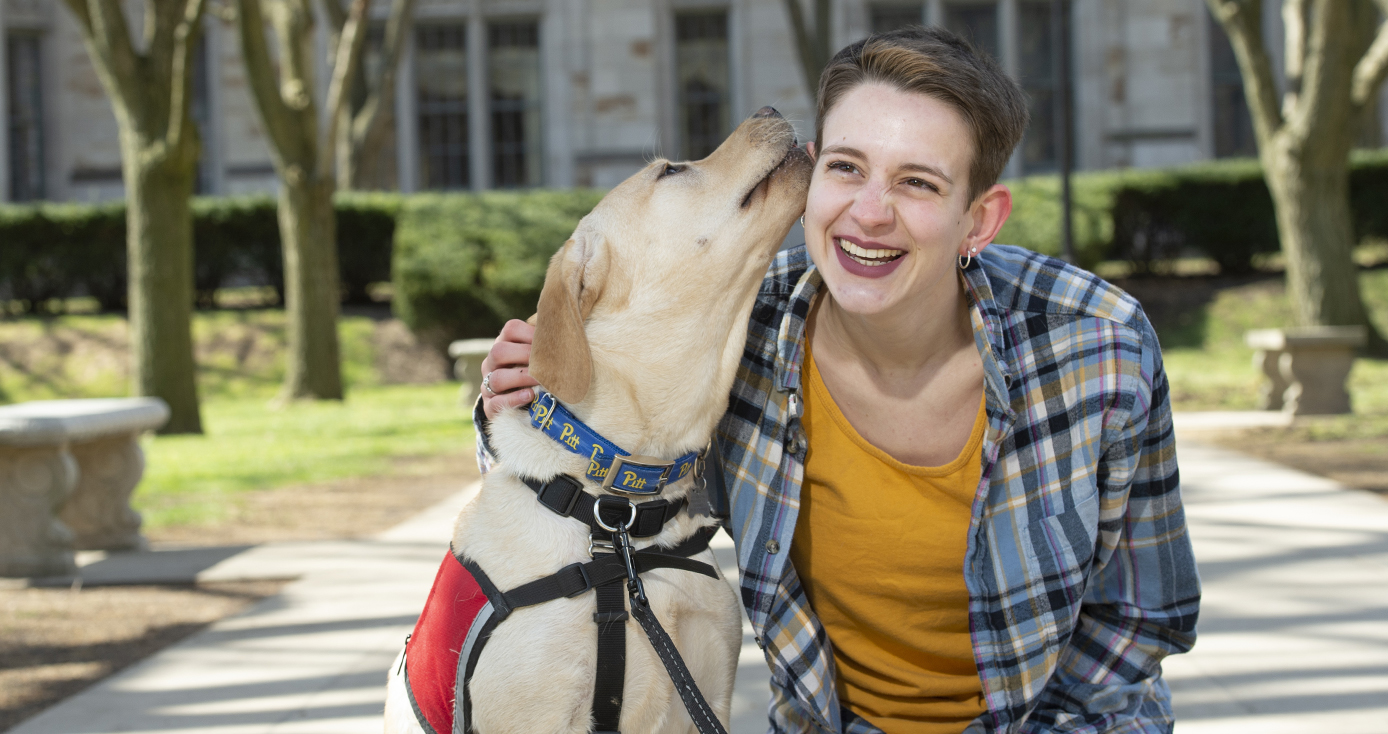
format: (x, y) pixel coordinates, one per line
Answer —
(1210, 368)
(250, 444)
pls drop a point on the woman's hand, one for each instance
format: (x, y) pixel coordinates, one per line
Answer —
(508, 363)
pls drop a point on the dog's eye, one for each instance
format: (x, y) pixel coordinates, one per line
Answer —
(670, 170)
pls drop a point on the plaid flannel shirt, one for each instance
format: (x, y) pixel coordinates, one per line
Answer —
(1078, 565)
(1079, 569)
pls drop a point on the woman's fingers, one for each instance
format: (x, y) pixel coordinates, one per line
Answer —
(508, 379)
(511, 348)
(508, 363)
(514, 399)
(518, 331)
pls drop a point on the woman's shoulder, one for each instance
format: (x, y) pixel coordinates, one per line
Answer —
(786, 270)
(1029, 282)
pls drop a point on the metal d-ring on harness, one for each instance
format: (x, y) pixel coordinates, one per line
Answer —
(564, 495)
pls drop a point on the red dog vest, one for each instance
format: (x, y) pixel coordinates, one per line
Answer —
(447, 640)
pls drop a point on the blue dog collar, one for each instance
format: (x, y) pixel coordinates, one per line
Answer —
(614, 468)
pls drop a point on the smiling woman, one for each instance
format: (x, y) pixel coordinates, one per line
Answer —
(965, 447)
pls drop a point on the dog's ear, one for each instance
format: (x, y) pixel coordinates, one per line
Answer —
(559, 355)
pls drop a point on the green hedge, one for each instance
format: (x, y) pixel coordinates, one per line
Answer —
(55, 251)
(465, 263)
(50, 250)
(1220, 209)
(461, 264)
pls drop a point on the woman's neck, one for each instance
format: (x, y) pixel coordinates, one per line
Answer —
(904, 341)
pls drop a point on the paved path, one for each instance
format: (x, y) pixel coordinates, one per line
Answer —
(1294, 633)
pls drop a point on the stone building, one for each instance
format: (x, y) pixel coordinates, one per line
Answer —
(517, 93)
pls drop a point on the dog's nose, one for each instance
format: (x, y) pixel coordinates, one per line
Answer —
(767, 111)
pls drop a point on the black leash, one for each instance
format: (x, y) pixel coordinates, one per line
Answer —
(620, 520)
(690, 694)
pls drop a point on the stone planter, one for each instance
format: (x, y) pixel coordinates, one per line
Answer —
(67, 470)
(467, 357)
(1306, 367)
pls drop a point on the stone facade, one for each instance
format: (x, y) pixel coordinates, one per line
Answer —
(582, 92)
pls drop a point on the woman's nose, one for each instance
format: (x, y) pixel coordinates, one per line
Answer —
(872, 205)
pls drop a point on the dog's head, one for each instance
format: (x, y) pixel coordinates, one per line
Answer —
(668, 263)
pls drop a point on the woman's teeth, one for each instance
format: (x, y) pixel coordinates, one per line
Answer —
(864, 256)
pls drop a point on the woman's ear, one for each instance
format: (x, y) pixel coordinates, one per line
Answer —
(989, 212)
(559, 356)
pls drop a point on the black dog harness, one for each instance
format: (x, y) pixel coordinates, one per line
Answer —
(464, 606)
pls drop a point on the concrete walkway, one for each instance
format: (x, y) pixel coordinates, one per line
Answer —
(1294, 632)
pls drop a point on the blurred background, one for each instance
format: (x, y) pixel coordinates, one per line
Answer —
(284, 220)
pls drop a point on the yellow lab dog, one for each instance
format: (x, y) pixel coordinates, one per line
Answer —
(639, 330)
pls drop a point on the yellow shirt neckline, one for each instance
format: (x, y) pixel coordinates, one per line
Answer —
(822, 392)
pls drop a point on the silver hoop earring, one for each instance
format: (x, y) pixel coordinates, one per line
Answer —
(802, 221)
(964, 264)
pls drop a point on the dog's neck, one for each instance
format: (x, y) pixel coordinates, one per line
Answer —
(658, 395)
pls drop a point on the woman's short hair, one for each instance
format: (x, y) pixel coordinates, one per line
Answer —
(937, 63)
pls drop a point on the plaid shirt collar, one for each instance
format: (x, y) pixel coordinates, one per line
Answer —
(983, 313)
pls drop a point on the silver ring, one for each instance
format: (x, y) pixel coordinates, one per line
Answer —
(487, 384)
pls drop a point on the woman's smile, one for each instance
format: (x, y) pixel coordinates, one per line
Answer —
(868, 259)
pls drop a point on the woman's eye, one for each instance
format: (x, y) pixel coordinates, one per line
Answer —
(921, 183)
(841, 166)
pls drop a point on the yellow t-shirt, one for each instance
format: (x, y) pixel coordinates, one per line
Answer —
(879, 547)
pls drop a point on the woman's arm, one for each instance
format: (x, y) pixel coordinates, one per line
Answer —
(1143, 597)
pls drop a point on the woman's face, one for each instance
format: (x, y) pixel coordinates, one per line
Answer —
(888, 210)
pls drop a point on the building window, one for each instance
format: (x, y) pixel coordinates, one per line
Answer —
(977, 22)
(441, 68)
(885, 18)
(24, 78)
(1036, 67)
(701, 66)
(1233, 125)
(513, 50)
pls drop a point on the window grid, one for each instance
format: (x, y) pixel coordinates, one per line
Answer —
(701, 52)
(23, 69)
(1233, 125)
(514, 64)
(441, 68)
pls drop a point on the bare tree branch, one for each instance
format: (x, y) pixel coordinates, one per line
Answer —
(337, 20)
(804, 43)
(184, 38)
(337, 15)
(1323, 105)
(344, 70)
(108, 38)
(79, 10)
(1242, 21)
(382, 94)
(260, 74)
(1369, 72)
(293, 21)
(1294, 25)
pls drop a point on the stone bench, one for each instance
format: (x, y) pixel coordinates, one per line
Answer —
(1306, 367)
(467, 357)
(67, 470)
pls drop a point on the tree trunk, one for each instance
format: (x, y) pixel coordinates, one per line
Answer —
(1310, 191)
(159, 242)
(308, 231)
